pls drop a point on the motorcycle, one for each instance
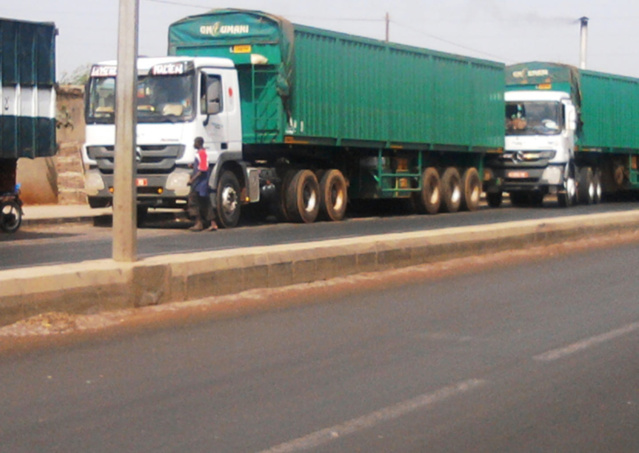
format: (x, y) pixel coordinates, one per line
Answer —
(11, 210)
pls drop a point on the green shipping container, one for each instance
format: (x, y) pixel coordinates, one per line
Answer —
(608, 104)
(306, 85)
(27, 89)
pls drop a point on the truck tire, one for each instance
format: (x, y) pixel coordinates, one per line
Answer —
(451, 190)
(429, 199)
(471, 184)
(494, 199)
(10, 216)
(596, 180)
(586, 186)
(303, 197)
(228, 200)
(566, 198)
(334, 198)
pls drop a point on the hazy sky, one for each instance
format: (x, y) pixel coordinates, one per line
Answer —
(500, 30)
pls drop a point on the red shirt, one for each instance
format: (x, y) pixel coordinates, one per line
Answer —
(202, 160)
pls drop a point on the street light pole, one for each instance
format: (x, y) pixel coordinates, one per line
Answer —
(124, 195)
(583, 42)
(387, 21)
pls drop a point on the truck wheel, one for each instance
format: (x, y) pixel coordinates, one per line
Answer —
(334, 198)
(472, 190)
(429, 199)
(228, 200)
(303, 197)
(451, 190)
(586, 186)
(494, 199)
(10, 216)
(596, 180)
(566, 197)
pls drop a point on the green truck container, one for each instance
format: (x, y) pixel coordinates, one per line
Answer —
(341, 90)
(27, 89)
(592, 146)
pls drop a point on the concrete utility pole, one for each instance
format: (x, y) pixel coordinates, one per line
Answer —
(124, 195)
(584, 42)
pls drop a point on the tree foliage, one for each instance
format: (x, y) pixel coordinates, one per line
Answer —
(79, 76)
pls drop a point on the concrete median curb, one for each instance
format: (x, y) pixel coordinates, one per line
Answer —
(94, 286)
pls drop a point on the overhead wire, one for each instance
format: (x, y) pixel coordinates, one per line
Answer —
(437, 38)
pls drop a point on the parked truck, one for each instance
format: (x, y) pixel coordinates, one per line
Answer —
(569, 132)
(300, 119)
(27, 111)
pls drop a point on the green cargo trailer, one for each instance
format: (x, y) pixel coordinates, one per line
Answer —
(27, 79)
(325, 117)
(593, 144)
(305, 84)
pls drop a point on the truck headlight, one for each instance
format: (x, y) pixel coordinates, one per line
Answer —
(550, 155)
(93, 182)
(178, 182)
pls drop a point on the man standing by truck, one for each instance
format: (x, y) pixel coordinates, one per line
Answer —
(199, 202)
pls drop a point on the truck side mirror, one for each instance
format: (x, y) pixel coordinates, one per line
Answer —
(213, 95)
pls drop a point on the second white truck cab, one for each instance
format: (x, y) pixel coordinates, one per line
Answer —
(539, 148)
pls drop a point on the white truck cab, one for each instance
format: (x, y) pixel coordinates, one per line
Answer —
(178, 99)
(539, 148)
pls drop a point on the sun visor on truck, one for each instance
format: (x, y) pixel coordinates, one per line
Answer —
(246, 37)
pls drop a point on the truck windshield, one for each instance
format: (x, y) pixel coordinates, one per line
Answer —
(533, 118)
(160, 99)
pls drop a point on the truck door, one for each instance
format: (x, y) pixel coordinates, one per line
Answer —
(213, 112)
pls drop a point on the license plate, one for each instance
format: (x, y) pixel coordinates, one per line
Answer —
(141, 182)
(517, 174)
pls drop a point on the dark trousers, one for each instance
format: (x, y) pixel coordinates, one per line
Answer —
(200, 208)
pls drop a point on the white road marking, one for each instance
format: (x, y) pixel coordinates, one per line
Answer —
(374, 418)
(560, 353)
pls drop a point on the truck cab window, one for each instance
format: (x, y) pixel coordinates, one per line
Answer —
(533, 118)
(102, 98)
(210, 94)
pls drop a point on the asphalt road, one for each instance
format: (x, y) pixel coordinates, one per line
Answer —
(161, 235)
(537, 354)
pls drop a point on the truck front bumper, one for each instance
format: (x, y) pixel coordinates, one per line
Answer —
(549, 179)
(169, 191)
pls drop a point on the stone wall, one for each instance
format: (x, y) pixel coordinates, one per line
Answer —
(70, 137)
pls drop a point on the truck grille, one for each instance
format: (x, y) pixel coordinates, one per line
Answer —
(150, 159)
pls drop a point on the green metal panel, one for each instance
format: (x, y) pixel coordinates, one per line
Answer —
(339, 89)
(27, 76)
(356, 89)
(609, 111)
(27, 53)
